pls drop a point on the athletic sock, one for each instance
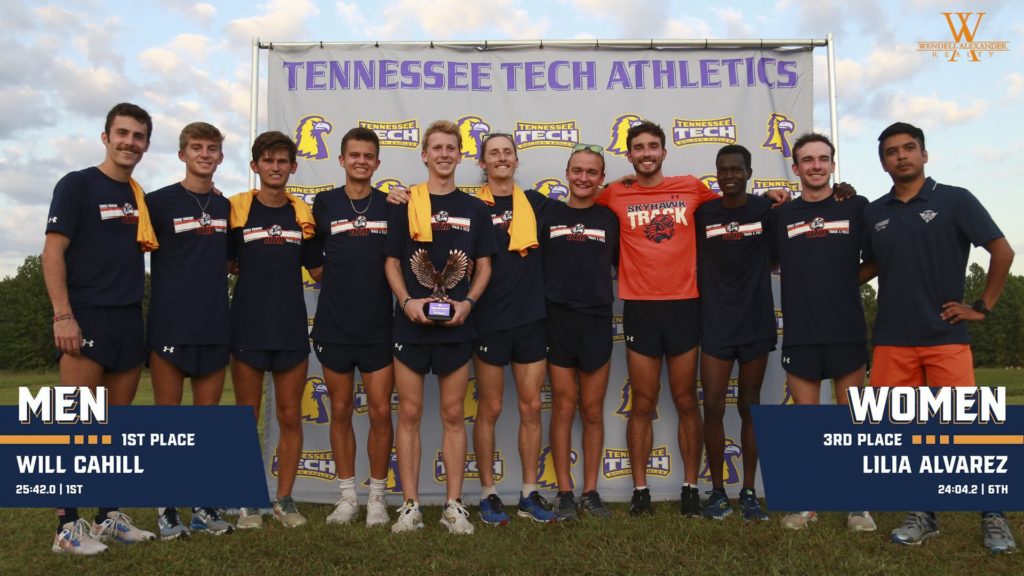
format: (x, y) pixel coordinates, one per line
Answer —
(486, 491)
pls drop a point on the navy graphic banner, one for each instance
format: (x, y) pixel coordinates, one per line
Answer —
(817, 458)
(143, 456)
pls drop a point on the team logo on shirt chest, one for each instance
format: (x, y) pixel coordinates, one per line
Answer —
(733, 230)
(125, 212)
(503, 220)
(272, 235)
(928, 215)
(817, 228)
(658, 219)
(577, 233)
(203, 226)
(359, 226)
(442, 221)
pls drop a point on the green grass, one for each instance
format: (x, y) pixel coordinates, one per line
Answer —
(664, 544)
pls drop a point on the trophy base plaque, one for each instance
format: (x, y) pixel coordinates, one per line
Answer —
(439, 311)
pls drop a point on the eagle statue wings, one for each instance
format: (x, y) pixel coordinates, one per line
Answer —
(440, 282)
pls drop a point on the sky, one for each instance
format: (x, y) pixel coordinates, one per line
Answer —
(64, 64)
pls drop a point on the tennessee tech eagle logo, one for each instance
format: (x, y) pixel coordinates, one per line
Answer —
(730, 466)
(387, 184)
(310, 137)
(473, 130)
(552, 188)
(626, 402)
(312, 464)
(393, 484)
(546, 478)
(472, 469)
(315, 404)
(620, 129)
(711, 181)
(396, 134)
(616, 463)
(469, 404)
(778, 130)
(361, 402)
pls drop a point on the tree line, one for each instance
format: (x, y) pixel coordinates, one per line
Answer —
(26, 334)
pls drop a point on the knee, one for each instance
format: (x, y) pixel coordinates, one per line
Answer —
(410, 412)
(380, 416)
(564, 407)
(713, 409)
(453, 415)
(489, 409)
(341, 412)
(529, 408)
(593, 414)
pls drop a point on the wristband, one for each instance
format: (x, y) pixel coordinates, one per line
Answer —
(472, 303)
(406, 301)
(979, 306)
(65, 316)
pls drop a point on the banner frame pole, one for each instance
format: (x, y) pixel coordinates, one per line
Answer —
(487, 45)
(254, 85)
(833, 120)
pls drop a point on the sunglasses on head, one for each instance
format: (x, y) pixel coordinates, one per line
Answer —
(591, 147)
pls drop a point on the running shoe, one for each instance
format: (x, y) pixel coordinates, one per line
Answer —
(492, 511)
(119, 526)
(860, 522)
(170, 525)
(287, 513)
(751, 506)
(592, 505)
(718, 507)
(689, 502)
(916, 528)
(456, 518)
(799, 520)
(565, 506)
(76, 538)
(998, 537)
(250, 519)
(640, 504)
(534, 507)
(409, 518)
(346, 510)
(209, 520)
(377, 510)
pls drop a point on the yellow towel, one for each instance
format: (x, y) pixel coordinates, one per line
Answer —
(523, 229)
(145, 235)
(419, 213)
(242, 203)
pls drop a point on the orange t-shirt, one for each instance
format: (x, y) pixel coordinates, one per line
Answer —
(658, 247)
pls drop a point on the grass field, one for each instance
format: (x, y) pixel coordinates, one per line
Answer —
(664, 544)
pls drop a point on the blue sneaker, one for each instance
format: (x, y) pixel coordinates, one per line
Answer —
(170, 525)
(492, 511)
(209, 520)
(717, 507)
(751, 507)
(534, 507)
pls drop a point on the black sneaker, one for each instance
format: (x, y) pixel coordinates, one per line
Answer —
(689, 502)
(593, 506)
(640, 505)
(565, 506)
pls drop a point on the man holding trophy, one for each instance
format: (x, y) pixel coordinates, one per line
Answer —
(439, 262)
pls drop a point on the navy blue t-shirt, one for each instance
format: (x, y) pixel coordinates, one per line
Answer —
(98, 215)
(189, 283)
(355, 301)
(515, 293)
(459, 222)
(921, 248)
(581, 245)
(734, 272)
(268, 308)
(818, 249)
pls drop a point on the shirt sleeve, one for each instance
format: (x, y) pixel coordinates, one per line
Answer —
(313, 249)
(613, 238)
(704, 193)
(66, 206)
(487, 239)
(974, 220)
(398, 230)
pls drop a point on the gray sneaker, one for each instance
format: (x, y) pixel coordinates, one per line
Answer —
(917, 527)
(592, 505)
(287, 513)
(170, 525)
(565, 506)
(209, 520)
(998, 537)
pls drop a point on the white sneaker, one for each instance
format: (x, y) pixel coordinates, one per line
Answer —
(76, 538)
(345, 511)
(409, 518)
(377, 510)
(799, 520)
(119, 526)
(249, 519)
(456, 518)
(860, 522)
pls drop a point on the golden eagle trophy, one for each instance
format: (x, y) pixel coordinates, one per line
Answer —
(439, 282)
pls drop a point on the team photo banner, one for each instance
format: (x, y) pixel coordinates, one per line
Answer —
(63, 446)
(895, 449)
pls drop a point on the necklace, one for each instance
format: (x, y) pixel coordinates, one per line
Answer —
(353, 204)
(204, 217)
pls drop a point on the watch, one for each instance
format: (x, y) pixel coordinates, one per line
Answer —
(979, 306)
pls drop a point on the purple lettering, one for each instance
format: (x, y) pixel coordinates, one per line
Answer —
(788, 76)
(730, 66)
(553, 74)
(684, 75)
(709, 74)
(664, 74)
(411, 74)
(388, 70)
(762, 72)
(584, 71)
(457, 76)
(638, 72)
(534, 73)
(435, 77)
(619, 76)
(750, 71)
(364, 75)
(339, 74)
(481, 74)
(315, 69)
(293, 69)
(511, 68)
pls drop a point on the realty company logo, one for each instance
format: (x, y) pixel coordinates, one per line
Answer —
(963, 27)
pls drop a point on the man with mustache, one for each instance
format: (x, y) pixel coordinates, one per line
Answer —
(93, 268)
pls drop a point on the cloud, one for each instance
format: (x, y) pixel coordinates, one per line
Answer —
(735, 24)
(444, 19)
(931, 110)
(819, 17)
(281, 21)
(204, 12)
(1015, 86)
